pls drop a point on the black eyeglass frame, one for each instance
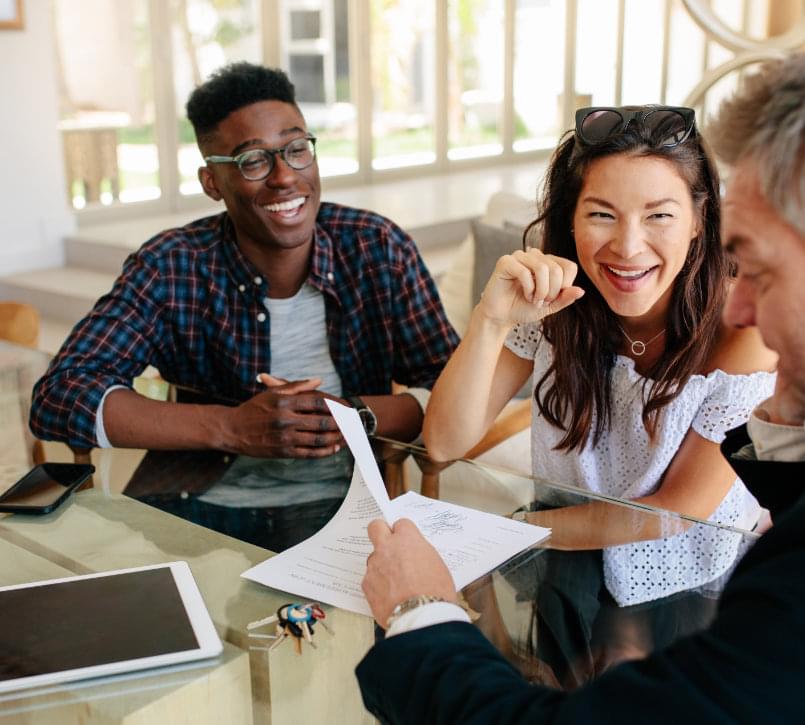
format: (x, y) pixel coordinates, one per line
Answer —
(270, 155)
(628, 115)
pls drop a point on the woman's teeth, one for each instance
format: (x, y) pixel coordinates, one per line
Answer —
(629, 274)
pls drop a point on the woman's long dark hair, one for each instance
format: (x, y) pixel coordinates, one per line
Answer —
(575, 392)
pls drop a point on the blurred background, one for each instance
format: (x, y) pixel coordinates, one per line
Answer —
(423, 108)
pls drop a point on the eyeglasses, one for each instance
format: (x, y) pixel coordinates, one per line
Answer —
(257, 164)
(667, 126)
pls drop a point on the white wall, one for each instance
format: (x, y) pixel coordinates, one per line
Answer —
(34, 213)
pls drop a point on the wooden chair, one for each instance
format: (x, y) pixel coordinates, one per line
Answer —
(516, 418)
(19, 323)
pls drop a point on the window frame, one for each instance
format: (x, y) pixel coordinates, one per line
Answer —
(273, 27)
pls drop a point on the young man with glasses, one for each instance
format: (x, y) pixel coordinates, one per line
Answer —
(272, 305)
(747, 666)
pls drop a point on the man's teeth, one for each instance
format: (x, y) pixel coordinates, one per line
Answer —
(286, 205)
(632, 274)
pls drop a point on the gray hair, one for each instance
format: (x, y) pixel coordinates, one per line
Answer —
(765, 122)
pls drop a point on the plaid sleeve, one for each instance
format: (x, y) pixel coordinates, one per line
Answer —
(426, 339)
(112, 345)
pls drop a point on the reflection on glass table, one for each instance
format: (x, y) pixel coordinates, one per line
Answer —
(615, 581)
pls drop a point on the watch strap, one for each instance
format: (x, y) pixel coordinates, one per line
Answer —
(420, 600)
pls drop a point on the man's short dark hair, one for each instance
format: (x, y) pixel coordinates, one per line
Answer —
(232, 87)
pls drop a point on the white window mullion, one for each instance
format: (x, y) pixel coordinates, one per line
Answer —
(271, 25)
(440, 121)
(166, 127)
(509, 13)
(569, 94)
(619, 57)
(666, 51)
(360, 81)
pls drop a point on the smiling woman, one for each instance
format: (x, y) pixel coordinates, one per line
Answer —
(636, 377)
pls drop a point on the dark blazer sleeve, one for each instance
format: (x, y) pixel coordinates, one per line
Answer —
(748, 667)
(777, 485)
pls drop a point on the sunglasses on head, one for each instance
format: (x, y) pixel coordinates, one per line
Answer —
(667, 126)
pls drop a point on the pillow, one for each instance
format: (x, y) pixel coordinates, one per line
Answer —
(504, 210)
(490, 244)
(455, 286)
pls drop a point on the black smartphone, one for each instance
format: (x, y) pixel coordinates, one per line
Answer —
(44, 487)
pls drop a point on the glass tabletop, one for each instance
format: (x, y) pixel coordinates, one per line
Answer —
(614, 581)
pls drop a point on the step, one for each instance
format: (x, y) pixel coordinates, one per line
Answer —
(63, 294)
(104, 247)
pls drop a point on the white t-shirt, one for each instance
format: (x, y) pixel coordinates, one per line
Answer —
(627, 464)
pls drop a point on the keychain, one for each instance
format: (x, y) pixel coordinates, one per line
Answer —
(292, 620)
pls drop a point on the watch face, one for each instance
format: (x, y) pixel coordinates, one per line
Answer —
(369, 421)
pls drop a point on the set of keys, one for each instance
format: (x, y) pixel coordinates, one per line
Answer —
(291, 620)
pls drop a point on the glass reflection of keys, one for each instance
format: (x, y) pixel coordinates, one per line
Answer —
(291, 620)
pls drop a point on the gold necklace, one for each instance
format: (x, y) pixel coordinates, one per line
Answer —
(638, 346)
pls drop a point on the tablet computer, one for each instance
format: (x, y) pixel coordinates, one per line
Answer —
(102, 624)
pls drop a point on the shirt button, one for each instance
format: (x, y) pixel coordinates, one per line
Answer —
(258, 280)
(261, 316)
(330, 276)
(242, 288)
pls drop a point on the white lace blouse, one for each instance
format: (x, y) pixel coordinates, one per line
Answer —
(625, 463)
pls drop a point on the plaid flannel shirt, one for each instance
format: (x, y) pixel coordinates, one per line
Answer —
(190, 304)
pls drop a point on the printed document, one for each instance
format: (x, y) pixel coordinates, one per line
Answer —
(330, 565)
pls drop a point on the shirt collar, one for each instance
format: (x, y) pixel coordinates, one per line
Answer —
(245, 275)
(322, 275)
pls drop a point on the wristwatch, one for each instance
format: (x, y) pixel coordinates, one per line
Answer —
(368, 418)
(420, 600)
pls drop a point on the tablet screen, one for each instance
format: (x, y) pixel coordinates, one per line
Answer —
(86, 622)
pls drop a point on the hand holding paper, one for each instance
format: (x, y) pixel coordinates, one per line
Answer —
(403, 565)
(330, 565)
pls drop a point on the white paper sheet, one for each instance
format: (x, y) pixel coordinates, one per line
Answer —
(330, 565)
(351, 427)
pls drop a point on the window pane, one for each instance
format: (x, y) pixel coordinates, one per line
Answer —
(106, 101)
(475, 77)
(207, 34)
(642, 52)
(403, 73)
(316, 54)
(538, 73)
(596, 53)
(686, 56)
(731, 14)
